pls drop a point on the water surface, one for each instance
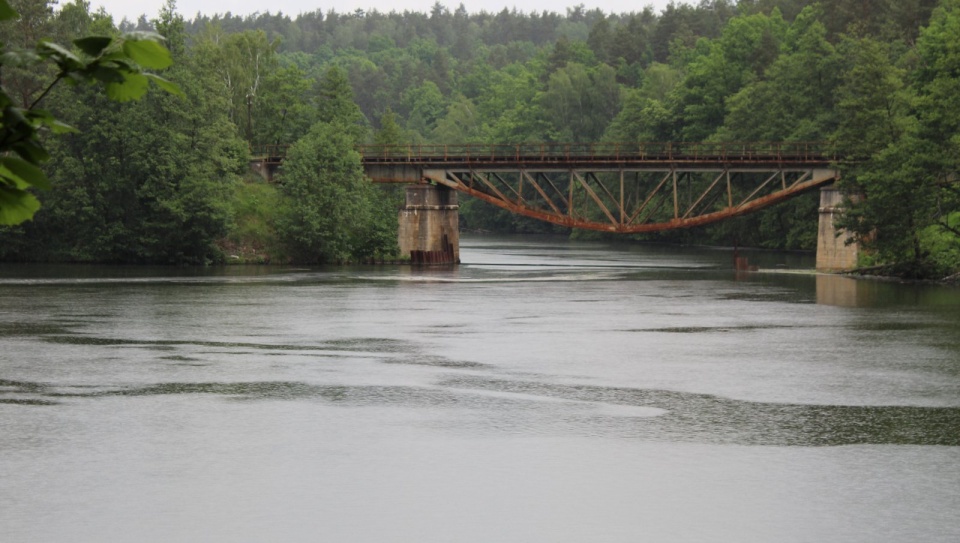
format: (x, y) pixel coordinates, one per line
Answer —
(544, 390)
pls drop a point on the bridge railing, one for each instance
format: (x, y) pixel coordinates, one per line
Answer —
(600, 152)
(269, 150)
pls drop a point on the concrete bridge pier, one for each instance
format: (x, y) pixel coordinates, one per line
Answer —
(266, 168)
(834, 254)
(429, 225)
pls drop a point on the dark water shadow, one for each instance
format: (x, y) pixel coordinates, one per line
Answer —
(525, 407)
(712, 329)
(30, 329)
(18, 401)
(355, 345)
(436, 362)
(355, 396)
(706, 418)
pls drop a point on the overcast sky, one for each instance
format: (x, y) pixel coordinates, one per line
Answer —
(131, 9)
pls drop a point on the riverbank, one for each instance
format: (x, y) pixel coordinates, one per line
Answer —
(897, 273)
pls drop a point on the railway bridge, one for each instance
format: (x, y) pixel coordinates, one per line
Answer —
(610, 187)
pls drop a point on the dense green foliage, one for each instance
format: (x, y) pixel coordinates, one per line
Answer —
(114, 61)
(332, 213)
(903, 113)
(879, 78)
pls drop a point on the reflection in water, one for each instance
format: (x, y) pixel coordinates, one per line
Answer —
(842, 291)
(845, 291)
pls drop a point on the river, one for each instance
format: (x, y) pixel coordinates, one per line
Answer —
(543, 391)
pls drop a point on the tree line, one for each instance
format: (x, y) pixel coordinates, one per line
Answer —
(162, 179)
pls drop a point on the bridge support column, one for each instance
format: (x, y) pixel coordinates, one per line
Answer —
(265, 168)
(429, 225)
(833, 252)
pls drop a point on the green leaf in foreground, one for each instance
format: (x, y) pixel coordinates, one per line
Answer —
(16, 206)
(93, 45)
(133, 87)
(166, 85)
(24, 171)
(147, 52)
(64, 58)
(7, 12)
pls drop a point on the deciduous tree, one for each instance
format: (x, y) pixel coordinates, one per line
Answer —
(117, 62)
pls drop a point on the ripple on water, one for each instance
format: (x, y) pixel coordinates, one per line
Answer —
(353, 345)
(713, 329)
(516, 406)
(436, 362)
(30, 329)
(706, 418)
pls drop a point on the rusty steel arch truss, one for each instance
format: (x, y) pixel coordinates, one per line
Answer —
(614, 187)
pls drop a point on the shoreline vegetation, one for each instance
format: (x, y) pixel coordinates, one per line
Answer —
(165, 179)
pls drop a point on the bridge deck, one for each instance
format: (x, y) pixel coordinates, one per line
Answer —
(586, 155)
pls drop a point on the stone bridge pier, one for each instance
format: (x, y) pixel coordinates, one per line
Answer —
(835, 252)
(429, 229)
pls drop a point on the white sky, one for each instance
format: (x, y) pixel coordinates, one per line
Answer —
(132, 9)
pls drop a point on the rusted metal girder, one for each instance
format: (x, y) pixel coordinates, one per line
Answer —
(583, 199)
(621, 188)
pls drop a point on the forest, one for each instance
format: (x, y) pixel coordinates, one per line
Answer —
(165, 178)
